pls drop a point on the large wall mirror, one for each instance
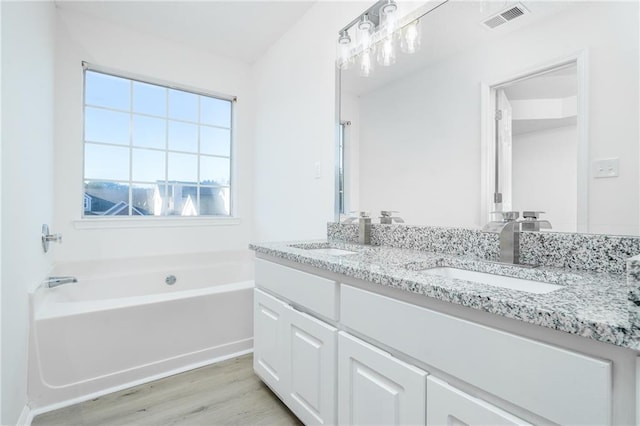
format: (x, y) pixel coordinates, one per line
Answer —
(540, 112)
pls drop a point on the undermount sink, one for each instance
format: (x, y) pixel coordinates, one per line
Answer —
(332, 251)
(502, 281)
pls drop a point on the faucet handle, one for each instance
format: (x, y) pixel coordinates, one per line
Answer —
(388, 213)
(531, 214)
(508, 216)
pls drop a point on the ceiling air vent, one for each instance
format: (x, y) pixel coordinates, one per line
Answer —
(505, 16)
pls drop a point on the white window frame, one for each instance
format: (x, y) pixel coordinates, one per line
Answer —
(130, 221)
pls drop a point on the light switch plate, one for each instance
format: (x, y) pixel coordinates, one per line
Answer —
(605, 168)
(317, 170)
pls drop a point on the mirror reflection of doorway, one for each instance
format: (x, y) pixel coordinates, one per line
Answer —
(537, 140)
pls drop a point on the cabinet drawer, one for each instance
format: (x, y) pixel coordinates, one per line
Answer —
(447, 405)
(315, 293)
(560, 385)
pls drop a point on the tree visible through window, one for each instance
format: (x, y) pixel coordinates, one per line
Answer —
(153, 150)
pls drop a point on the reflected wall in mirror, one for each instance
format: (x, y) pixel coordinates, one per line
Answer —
(538, 146)
(422, 133)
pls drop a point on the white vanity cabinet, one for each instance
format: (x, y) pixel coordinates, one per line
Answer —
(374, 388)
(339, 353)
(448, 406)
(295, 353)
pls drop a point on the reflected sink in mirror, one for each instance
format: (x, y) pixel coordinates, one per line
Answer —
(529, 286)
(323, 248)
(332, 251)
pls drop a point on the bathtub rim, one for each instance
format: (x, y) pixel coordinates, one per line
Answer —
(103, 268)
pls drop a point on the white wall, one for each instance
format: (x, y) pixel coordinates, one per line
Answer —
(428, 165)
(296, 126)
(27, 175)
(547, 182)
(81, 38)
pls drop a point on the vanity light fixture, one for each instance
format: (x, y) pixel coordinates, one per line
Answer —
(376, 35)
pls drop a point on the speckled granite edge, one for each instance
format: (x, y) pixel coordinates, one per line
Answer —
(633, 283)
(593, 305)
(587, 252)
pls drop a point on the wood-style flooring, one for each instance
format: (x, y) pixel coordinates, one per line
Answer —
(226, 393)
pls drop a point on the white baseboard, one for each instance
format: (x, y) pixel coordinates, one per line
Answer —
(29, 413)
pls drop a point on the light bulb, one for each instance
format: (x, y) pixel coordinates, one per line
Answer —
(411, 37)
(386, 52)
(366, 63)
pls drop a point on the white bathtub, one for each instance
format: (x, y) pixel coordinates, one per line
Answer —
(121, 324)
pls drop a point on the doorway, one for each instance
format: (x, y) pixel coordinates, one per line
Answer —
(538, 146)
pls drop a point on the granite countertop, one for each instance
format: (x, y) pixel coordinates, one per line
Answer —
(594, 305)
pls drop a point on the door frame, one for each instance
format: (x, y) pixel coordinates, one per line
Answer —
(488, 128)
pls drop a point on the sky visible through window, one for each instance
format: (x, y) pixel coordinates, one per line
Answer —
(154, 150)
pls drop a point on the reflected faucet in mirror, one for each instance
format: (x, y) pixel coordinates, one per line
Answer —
(509, 229)
(387, 218)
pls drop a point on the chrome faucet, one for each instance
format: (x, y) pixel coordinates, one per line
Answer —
(51, 282)
(364, 227)
(387, 218)
(509, 230)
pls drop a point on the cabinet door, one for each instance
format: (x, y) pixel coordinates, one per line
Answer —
(311, 347)
(449, 406)
(374, 388)
(269, 353)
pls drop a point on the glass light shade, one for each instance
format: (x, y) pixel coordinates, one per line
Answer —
(386, 52)
(364, 37)
(411, 37)
(388, 17)
(343, 53)
(366, 63)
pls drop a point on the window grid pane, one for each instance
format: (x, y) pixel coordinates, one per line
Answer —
(163, 140)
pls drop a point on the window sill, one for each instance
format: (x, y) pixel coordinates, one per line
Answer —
(153, 222)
